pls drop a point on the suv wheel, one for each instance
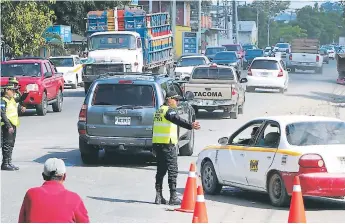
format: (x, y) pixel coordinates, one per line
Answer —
(42, 108)
(187, 149)
(57, 105)
(88, 153)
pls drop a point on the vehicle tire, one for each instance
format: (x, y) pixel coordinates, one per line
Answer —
(74, 86)
(57, 106)
(250, 89)
(234, 115)
(319, 70)
(82, 84)
(42, 108)
(327, 62)
(281, 90)
(293, 70)
(187, 149)
(240, 109)
(209, 179)
(277, 191)
(88, 153)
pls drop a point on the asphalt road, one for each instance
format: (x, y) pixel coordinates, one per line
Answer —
(124, 192)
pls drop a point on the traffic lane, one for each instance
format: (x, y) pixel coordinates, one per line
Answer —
(106, 188)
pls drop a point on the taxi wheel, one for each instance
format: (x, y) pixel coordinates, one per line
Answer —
(209, 179)
(277, 191)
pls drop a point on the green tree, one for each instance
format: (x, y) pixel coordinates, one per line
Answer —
(288, 33)
(23, 24)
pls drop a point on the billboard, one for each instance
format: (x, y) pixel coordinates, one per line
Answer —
(63, 31)
(189, 43)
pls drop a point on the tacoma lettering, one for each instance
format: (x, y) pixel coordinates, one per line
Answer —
(212, 94)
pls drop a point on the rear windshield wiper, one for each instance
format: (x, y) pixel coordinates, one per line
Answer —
(129, 107)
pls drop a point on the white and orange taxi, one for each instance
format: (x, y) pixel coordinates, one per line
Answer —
(267, 153)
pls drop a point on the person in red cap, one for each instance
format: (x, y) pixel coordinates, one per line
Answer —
(52, 203)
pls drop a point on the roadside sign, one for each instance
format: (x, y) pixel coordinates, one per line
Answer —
(189, 43)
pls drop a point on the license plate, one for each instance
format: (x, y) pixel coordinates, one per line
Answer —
(122, 121)
(304, 63)
(264, 73)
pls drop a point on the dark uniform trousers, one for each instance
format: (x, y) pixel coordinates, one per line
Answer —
(7, 143)
(166, 162)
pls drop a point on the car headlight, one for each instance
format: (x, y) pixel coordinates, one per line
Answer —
(31, 87)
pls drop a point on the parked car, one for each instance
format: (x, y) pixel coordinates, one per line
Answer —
(267, 153)
(117, 115)
(268, 73)
(210, 52)
(39, 77)
(72, 69)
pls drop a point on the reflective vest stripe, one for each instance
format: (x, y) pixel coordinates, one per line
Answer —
(164, 132)
(11, 111)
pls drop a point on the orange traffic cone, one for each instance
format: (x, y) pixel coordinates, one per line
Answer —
(200, 213)
(297, 212)
(189, 195)
(195, 220)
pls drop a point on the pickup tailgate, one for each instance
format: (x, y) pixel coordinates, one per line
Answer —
(304, 57)
(210, 91)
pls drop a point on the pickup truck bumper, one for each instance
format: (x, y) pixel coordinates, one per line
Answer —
(304, 65)
(213, 104)
(33, 98)
(125, 145)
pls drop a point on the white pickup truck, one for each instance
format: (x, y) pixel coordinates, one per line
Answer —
(305, 56)
(217, 87)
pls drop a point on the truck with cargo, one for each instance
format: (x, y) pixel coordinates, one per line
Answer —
(340, 58)
(305, 56)
(127, 40)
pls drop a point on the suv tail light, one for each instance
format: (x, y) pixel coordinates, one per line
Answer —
(311, 163)
(250, 71)
(281, 73)
(290, 57)
(233, 92)
(82, 117)
(317, 58)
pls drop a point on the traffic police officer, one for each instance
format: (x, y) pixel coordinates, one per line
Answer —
(164, 143)
(18, 96)
(9, 124)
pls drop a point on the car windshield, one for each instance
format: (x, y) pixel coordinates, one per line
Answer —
(231, 56)
(316, 133)
(213, 73)
(21, 69)
(112, 41)
(62, 62)
(255, 53)
(135, 95)
(282, 45)
(232, 47)
(214, 50)
(265, 64)
(191, 61)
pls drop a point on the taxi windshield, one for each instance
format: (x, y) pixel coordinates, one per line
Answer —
(213, 73)
(62, 62)
(316, 133)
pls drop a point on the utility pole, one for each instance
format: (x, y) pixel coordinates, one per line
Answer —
(150, 6)
(257, 27)
(173, 17)
(218, 23)
(234, 22)
(199, 26)
(268, 32)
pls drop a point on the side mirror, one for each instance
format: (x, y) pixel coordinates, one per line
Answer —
(223, 141)
(243, 80)
(189, 95)
(288, 69)
(48, 75)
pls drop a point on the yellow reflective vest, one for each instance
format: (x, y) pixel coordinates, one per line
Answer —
(164, 131)
(11, 111)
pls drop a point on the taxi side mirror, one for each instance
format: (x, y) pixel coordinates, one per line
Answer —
(223, 141)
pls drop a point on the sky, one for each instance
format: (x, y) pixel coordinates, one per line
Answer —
(295, 4)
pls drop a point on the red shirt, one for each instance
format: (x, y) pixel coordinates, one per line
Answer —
(52, 203)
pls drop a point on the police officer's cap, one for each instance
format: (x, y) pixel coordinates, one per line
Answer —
(13, 80)
(173, 95)
(10, 86)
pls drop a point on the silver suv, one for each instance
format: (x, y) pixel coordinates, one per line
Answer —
(117, 115)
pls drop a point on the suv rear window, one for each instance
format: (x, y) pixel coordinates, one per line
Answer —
(124, 94)
(265, 64)
(213, 73)
(232, 47)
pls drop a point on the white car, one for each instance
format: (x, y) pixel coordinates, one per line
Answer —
(267, 153)
(267, 73)
(186, 64)
(71, 67)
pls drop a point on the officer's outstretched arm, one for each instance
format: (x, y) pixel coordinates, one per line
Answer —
(21, 98)
(172, 116)
(3, 115)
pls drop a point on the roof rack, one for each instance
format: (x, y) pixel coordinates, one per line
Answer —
(109, 74)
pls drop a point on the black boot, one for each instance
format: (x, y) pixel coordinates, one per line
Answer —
(10, 162)
(174, 200)
(5, 164)
(159, 195)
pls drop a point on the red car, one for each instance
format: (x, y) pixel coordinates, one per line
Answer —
(40, 78)
(235, 47)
